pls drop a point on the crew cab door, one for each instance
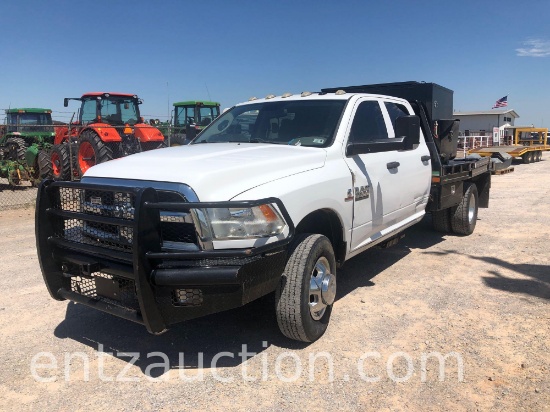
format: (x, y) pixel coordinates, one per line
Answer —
(386, 184)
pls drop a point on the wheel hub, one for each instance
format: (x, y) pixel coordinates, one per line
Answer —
(322, 288)
(471, 209)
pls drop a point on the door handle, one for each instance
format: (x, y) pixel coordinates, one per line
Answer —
(393, 165)
(425, 158)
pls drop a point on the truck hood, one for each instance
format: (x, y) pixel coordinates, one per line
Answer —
(215, 171)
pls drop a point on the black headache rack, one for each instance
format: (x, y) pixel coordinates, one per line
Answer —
(105, 247)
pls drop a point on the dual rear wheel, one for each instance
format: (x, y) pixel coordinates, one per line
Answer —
(460, 219)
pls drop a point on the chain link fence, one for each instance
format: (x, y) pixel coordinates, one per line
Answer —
(16, 197)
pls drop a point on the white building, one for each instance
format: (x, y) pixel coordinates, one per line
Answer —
(482, 123)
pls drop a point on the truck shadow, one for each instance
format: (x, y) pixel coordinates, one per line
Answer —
(196, 344)
(537, 283)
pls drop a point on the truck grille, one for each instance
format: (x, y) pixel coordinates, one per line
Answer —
(177, 229)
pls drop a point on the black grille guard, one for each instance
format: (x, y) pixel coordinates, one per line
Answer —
(137, 264)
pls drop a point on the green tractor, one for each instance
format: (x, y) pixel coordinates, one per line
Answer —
(190, 118)
(27, 134)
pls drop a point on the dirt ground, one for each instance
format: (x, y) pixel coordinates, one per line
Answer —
(482, 302)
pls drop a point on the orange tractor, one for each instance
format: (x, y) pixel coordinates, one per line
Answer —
(108, 126)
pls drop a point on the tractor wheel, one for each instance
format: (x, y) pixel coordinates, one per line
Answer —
(60, 162)
(91, 151)
(307, 289)
(44, 164)
(21, 147)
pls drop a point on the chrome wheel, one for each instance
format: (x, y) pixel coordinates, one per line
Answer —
(322, 288)
(471, 209)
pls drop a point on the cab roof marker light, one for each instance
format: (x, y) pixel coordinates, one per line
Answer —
(306, 94)
(270, 96)
(286, 95)
(340, 92)
(252, 98)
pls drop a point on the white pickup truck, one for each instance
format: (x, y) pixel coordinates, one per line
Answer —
(273, 196)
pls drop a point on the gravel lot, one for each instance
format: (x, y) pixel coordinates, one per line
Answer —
(483, 300)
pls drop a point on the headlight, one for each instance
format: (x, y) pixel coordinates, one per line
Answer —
(239, 223)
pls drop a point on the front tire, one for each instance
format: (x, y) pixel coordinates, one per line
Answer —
(91, 151)
(307, 290)
(464, 216)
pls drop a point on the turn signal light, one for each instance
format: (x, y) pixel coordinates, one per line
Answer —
(268, 212)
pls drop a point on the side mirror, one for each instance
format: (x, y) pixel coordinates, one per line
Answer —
(408, 127)
(66, 102)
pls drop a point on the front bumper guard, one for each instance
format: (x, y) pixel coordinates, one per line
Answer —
(147, 265)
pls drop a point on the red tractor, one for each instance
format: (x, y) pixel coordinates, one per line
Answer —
(108, 126)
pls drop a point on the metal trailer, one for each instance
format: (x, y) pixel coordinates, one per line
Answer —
(528, 144)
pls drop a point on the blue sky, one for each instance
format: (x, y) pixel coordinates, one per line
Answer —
(169, 51)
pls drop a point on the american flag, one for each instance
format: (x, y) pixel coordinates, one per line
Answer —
(503, 102)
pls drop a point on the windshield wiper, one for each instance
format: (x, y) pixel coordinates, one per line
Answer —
(258, 140)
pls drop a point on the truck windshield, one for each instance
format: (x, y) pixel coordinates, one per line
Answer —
(301, 123)
(30, 122)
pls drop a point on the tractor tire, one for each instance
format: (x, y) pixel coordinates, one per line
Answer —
(307, 289)
(44, 164)
(91, 151)
(60, 162)
(441, 221)
(21, 147)
(464, 216)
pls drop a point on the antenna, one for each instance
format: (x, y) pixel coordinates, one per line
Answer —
(167, 100)
(209, 98)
